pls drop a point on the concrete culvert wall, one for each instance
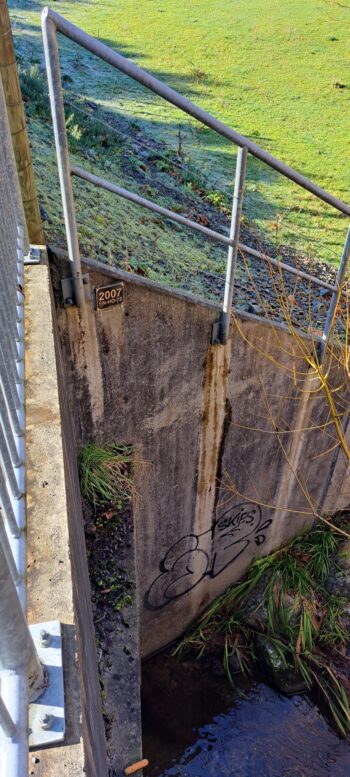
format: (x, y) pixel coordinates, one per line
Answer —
(217, 485)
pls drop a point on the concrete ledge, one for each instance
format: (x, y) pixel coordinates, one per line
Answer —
(54, 543)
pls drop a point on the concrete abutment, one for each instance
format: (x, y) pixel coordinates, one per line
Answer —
(219, 480)
(224, 477)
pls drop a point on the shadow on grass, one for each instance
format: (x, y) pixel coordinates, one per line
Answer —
(87, 78)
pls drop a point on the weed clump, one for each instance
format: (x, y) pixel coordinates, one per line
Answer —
(284, 608)
(106, 474)
(106, 482)
(35, 97)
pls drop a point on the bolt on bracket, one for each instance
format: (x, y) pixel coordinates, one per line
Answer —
(47, 713)
(68, 290)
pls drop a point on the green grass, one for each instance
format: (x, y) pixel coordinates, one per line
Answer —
(146, 244)
(105, 477)
(292, 610)
(278, 72)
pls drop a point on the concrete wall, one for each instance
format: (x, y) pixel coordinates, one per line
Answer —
(220, 477)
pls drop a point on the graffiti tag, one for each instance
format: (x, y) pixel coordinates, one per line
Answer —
(194, 557)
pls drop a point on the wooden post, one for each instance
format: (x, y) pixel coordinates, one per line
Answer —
(19, 134)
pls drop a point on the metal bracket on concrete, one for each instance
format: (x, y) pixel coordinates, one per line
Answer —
(46, 713)
(216, 333)
(68, 292)
(34, 255)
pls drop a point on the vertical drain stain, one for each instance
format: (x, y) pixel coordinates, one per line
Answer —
(225, 429)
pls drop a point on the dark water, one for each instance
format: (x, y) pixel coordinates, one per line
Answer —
(195, 725)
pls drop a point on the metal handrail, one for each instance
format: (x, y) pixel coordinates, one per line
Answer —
(53, 22)
(102, 183)
(21, 673)
(170, 95)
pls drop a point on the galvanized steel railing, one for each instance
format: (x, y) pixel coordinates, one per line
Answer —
(21, 673)
(53, 22)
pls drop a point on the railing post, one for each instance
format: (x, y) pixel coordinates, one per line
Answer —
(335, 298)
(59, 126)
(17, 651)
(241, 167)
(22, 675)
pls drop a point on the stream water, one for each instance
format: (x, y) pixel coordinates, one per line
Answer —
(196, 725)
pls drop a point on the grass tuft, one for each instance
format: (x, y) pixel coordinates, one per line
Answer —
(284, 601)
(105, 474)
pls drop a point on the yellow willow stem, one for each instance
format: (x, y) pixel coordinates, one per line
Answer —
(332, 409)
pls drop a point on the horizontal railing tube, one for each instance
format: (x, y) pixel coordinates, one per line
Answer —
(9, 468)
(9, 433)
(6, 507)
(11, 388)
(4, 542)
(170, 95)
(138, 200)
(283, 266)
(8, 361)
(102, 183)
(10, 409)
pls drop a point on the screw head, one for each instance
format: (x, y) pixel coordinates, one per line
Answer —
(46, 721)
(68, 301)
(45, 638)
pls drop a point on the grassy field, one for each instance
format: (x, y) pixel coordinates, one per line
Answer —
(278, 72)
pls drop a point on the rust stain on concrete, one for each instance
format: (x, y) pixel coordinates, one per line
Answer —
(86, 353)
(215, 392)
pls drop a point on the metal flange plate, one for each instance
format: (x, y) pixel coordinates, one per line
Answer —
(34, 255)
(68, 290)
(46, 714)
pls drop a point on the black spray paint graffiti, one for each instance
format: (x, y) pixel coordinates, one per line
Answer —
(194, 557)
